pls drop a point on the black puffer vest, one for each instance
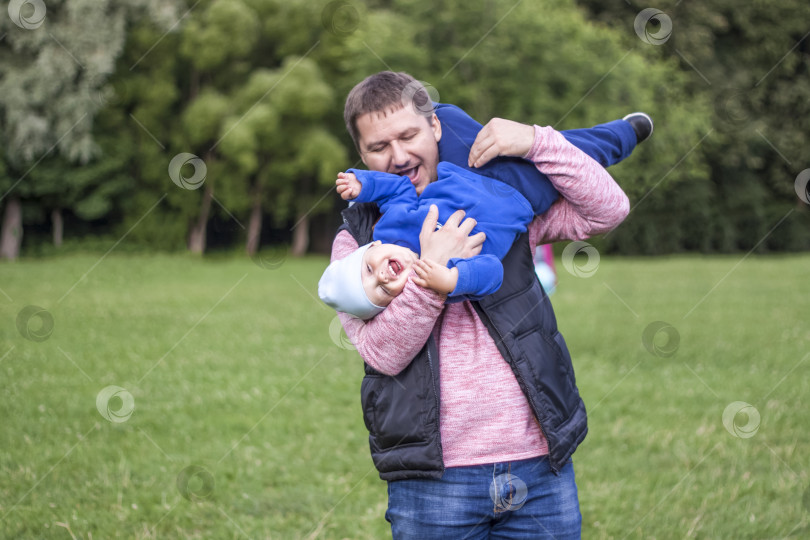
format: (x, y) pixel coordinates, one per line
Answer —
(402, 412)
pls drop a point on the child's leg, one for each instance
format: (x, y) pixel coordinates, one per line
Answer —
(607, 143)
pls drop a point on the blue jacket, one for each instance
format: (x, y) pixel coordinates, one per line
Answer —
(501, 212)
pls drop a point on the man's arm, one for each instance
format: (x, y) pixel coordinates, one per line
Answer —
(592, 202)
(389, 341)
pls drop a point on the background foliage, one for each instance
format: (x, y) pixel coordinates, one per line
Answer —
(98, 99)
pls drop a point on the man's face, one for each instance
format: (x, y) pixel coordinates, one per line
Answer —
(385, 271)
(401, 142)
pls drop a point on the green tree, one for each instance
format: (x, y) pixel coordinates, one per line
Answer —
(253, 89)
(750, 61)
(286, 160)
(54, 63)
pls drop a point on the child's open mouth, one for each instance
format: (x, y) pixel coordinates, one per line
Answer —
(395, 267)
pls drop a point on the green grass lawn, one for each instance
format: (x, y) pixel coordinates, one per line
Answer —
(247, 421)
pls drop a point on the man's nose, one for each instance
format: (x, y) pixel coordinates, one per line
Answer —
(382, 273)
(399, 155)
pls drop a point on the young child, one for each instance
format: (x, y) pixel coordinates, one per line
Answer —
(366, 281)
(386, 262)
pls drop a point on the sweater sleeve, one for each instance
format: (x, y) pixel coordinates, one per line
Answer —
(592, 202)
(477, 277)
(389, 341)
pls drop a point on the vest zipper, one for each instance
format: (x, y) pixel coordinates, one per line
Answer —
(522, 385)
(438, 405)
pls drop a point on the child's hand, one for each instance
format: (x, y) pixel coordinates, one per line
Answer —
(348, 186)
(432, 275)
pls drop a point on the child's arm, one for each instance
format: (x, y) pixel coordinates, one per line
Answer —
(383, 188)
(465, 279)
(396, 198)
(432, 275)
(348, 186)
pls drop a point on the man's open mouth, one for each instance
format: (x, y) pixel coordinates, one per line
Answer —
(411, 174)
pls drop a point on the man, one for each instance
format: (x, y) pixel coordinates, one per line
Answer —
(472, 408)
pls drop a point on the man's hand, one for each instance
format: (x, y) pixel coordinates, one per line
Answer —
(431, 275)
(500, 138)
(348, 186)
(452, 240)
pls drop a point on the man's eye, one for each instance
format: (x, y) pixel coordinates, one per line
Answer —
(386, 291)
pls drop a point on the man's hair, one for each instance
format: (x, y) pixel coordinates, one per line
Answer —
(383, 92)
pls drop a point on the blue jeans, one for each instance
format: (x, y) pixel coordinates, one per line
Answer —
(510, 500)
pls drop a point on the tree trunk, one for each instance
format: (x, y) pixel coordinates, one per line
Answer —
(196, 234)
(58, 226)
(254, 227)
(12, 229)
(300, 241)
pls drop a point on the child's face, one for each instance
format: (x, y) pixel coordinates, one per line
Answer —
(385, 271)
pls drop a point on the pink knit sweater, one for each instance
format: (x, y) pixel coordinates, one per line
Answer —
(484, 415)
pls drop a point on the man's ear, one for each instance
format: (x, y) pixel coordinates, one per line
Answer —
(436, 125)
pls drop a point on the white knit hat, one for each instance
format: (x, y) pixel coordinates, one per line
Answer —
(341, 286)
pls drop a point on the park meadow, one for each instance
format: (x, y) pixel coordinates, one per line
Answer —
(173, 396)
